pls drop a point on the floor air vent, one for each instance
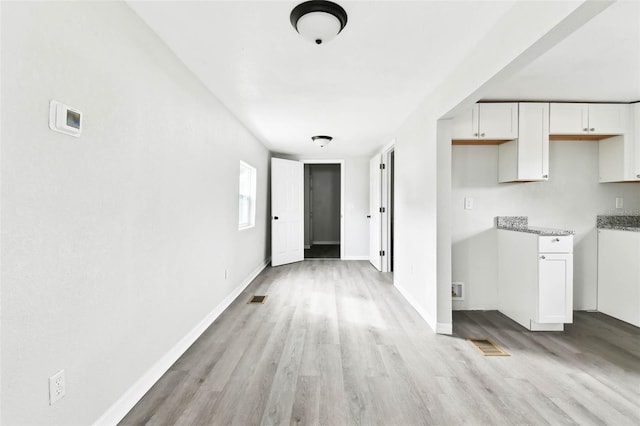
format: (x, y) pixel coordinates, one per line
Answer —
(257, 299)
(487, 348)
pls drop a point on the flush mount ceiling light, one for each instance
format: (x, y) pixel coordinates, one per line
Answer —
(322, 141)
(318, 20)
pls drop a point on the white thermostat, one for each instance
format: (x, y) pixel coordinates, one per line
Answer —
(64, 119)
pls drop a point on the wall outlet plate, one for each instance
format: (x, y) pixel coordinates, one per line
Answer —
(468, 203)
(457, 291)
(57, 387)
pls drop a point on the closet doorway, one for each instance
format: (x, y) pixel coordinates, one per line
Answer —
(322, 210)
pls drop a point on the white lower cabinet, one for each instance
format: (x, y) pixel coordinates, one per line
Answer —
(619, 274)
(535, 279)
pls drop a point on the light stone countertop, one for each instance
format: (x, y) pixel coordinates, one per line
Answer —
(521, 224)
(619, 222)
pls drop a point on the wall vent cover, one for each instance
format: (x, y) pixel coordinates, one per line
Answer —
(486, 347)
(257, 299)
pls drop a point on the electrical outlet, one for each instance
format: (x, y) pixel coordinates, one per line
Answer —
(57, 387)
(619, 202)
(468, 203)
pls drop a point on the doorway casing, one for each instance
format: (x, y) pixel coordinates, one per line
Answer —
(341, 164)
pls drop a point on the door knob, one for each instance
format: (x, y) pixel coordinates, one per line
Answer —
(368, 216)
(543, 257)
(275, 218)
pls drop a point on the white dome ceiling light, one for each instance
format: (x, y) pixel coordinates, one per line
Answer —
(318, 20)
(321, 141)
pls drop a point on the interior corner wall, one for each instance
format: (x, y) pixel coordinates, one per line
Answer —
(445, 225)
(114, 244)
(570, 199)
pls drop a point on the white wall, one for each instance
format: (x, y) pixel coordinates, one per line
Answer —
(114, 244)
(356, 204)
(526, 31)
(325, 203)
(570, 199)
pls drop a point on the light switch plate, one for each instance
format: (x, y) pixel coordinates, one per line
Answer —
(619, 202)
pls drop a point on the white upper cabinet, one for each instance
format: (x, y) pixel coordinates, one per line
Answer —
(619, 156)
(527, 157)
(465, 125)
(491, 121)
(587, 119)
(607, 119)
(498, 121)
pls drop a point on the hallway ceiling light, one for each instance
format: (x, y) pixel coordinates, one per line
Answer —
(322, 141)
(318, 20)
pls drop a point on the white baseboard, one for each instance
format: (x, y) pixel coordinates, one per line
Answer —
(425, 316)
(131, 397)
(355, 258)
(444, 328)
(324, 243)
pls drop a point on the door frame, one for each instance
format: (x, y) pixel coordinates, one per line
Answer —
(341, 164)
(385, 201)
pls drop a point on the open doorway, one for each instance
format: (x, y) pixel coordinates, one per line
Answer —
(322, 211)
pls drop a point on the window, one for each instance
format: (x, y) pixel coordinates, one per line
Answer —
(247, 197)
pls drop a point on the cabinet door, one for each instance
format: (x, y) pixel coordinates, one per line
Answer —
(555, 288)
(533, 141)
(568, 119)
(465, 125)
(619, 274)
(607, 119)
(498, 121)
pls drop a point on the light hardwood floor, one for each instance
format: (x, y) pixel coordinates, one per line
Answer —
(336, 344)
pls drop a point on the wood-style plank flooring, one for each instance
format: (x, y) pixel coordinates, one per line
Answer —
(336, 344)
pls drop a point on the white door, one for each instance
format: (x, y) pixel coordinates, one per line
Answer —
(375, 231)
(287, 211)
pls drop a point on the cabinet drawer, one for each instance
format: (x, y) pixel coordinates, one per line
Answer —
(556, 244)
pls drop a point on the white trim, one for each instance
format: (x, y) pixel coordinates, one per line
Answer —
(385, 198)
(444, 328)
(355, 258)
(325, 243)
(425, 316)
(342, 174)
(388, 147)
(131, 397)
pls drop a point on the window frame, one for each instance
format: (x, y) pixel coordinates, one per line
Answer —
(250, 196)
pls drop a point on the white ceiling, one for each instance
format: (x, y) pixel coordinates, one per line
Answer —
(361, 86)
(598, 63)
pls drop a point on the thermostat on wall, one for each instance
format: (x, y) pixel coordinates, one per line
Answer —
(64, 119)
